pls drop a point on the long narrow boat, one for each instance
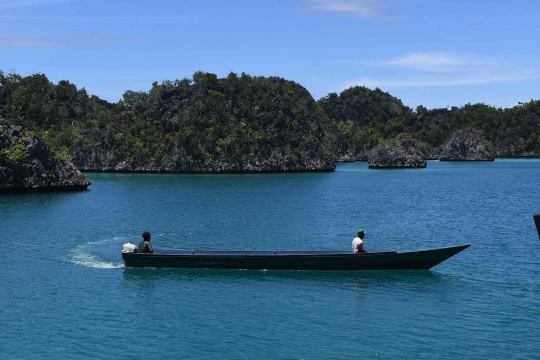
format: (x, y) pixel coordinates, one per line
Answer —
(293, 260)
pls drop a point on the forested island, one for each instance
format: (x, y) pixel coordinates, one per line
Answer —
(200, 125)
(247, 124)
(370, 118)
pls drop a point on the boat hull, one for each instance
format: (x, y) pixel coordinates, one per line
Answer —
(294, 260)
(537, 223)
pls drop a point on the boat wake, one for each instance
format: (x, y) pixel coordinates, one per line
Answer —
(101, 254)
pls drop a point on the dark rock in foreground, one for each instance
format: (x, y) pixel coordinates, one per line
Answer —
(27, 164)
(466, 145)
(397, 153)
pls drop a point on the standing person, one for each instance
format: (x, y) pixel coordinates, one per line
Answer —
(145, 246)
(358, 243)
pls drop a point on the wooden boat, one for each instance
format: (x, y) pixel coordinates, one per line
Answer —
(293, 260)
(537, 223)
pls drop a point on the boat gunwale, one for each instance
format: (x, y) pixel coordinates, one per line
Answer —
(285, 254)
(259, 254)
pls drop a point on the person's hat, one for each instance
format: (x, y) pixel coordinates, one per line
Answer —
(360, 231)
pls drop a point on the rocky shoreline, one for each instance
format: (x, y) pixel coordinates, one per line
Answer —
(28, 164)
(280, 163)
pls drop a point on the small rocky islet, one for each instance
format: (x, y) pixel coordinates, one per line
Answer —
(464, 145)
(396, 154)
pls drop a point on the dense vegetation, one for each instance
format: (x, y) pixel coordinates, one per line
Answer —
(58, 113)
(240, 123)
(367, 118)
(244, 123)
(371, 117)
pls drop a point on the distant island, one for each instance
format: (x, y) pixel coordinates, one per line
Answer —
(248, 124)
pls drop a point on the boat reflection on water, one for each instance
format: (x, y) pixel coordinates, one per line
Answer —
(419, 280)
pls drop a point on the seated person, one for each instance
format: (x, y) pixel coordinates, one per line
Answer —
(145, 246)
(358, 243)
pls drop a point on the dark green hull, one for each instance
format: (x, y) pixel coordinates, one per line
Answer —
(294, 260)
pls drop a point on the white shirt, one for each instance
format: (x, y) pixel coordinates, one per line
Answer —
(355, 243)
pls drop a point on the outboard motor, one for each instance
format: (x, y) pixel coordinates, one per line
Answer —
(537, 222)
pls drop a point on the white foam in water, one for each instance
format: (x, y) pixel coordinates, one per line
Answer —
(94, 262)
(100, 253)
(84, 256)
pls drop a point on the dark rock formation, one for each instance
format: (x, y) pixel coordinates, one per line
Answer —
(27, 164)
(466, 145)
(397, 153)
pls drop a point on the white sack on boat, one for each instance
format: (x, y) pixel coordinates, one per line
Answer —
(129, 248)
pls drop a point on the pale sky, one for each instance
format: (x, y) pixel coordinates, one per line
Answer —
(435, 53)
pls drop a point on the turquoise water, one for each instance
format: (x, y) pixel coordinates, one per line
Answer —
(66, 294)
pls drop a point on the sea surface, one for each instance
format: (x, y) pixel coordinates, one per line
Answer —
(65, 293)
